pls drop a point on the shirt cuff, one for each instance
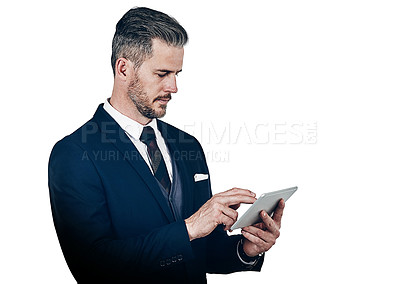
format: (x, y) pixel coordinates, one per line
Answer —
(245, 259)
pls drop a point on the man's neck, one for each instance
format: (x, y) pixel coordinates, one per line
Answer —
(128, 108)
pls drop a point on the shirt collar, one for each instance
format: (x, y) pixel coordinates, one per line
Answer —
(131, 127)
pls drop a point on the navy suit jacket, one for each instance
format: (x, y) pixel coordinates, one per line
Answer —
(113, 223)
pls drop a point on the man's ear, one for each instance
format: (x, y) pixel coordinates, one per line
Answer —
(123, 67)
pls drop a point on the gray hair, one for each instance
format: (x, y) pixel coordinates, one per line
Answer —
(136, 30)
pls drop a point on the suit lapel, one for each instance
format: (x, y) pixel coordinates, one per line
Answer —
(176, 154)
(111, 132)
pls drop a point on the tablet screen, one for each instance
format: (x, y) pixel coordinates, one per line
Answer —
(267, 202)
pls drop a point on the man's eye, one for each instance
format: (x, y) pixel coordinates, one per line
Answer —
(161, 75)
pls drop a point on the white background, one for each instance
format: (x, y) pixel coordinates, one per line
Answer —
(288, 66)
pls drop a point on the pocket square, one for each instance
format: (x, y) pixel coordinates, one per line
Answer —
(200, 177)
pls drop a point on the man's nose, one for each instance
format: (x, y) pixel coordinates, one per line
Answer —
(170, 84)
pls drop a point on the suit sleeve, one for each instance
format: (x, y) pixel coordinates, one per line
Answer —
(221, 254)
(85, 230)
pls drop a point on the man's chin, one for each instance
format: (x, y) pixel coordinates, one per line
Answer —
(159, 113)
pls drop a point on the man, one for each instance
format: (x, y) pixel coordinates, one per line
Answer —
(130, 194)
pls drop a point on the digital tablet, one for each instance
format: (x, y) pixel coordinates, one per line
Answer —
(267, 202)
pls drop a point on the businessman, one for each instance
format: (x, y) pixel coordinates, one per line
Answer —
(130, 194)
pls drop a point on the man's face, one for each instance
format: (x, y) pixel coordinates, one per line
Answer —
(151, 87)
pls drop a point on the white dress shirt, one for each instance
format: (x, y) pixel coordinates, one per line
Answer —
(134, 129)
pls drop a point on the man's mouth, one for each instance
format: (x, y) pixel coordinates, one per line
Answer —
(163, 99)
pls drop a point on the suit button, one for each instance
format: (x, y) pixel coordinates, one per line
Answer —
(174, 259)
(180, 257)
(168, 261)
(162, 263)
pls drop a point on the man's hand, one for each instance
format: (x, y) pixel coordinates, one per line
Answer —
(262, 236)
(220, 209)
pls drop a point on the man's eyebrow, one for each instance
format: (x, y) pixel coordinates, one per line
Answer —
(168, 71)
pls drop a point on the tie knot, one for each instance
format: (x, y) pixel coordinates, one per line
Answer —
(148, 135)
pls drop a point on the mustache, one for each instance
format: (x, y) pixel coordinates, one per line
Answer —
(169, 97)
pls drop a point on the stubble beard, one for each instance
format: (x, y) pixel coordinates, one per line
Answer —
(141, 100)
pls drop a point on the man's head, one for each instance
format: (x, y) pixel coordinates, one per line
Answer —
(147, 54)
(136, 30)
